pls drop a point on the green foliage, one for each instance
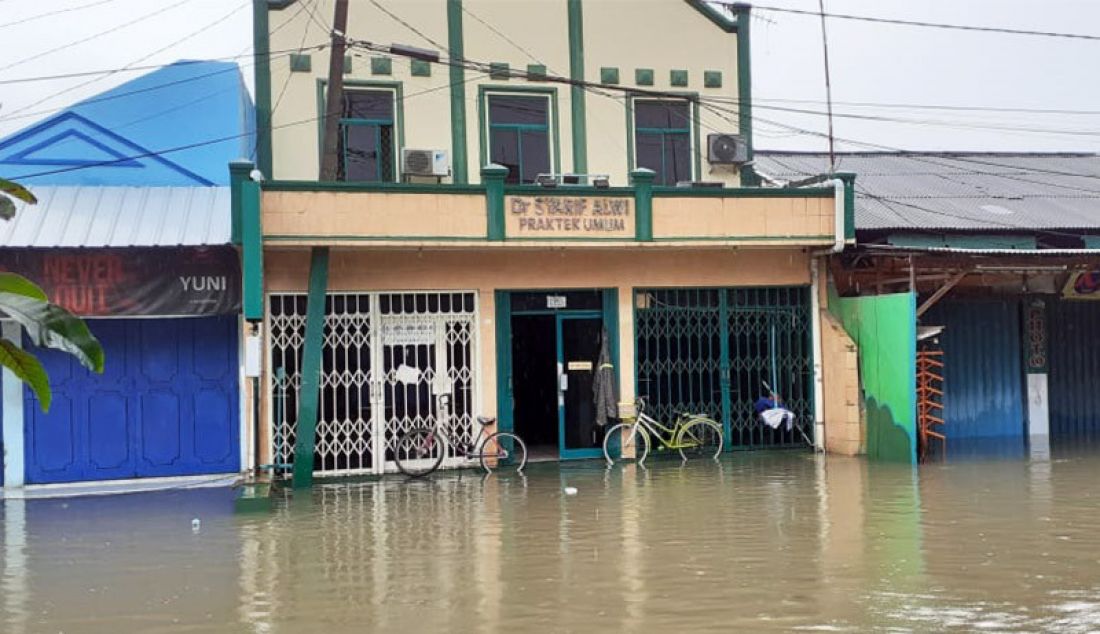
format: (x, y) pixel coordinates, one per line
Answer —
(48, 325)
(13, 190)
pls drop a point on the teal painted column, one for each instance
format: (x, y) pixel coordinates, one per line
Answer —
(502, 301)
(457, 50)
(252, 248)
(642, 180)
(261, 44)
(308, 395)
(576, 92)
(744, 88)
(239, 172)
(493, 178)
(724, 382)
(248, 234)
(849, 179)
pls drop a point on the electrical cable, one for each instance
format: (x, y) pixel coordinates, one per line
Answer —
(274, 55)
(117, 27)
(57, 12)
(190, 35)
(917, 23)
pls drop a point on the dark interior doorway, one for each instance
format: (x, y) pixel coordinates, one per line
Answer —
(534, 381)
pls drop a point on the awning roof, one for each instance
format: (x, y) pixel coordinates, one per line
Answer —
(959, 191)
(120, 217)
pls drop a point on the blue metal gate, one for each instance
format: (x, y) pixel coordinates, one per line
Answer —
(983, 374)
(1074, 371)
(166, 405)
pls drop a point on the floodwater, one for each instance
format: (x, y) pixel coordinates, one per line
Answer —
(758, 541)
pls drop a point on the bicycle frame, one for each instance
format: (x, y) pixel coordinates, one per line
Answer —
(473, 451)
(667, 436)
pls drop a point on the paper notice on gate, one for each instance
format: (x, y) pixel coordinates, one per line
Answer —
(407, 374)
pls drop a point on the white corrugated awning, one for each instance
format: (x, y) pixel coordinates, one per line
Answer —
(121, 217)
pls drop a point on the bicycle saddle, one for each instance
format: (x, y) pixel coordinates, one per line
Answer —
(486, 420)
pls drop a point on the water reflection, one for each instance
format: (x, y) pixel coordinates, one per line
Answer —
(759, 541)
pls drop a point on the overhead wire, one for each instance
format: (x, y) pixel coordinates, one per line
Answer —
(919, 23)
(48, 14)
(197, 144)
(94, 36)
(273, 55)
(144, 57)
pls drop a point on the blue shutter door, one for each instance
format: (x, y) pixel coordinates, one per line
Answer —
(1074, 371)
(166, 405)
(983, 373)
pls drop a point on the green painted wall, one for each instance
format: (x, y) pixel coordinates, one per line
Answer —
(884, 327)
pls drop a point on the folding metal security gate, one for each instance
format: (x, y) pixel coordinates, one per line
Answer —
(390, 362)
(712, 350)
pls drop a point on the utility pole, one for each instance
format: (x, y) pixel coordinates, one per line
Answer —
(334, 103)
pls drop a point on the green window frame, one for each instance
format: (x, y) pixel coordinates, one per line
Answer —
(689, 126)
(668, 136)
(381, 129)
(520, 131)
(389, 170)
(548, 126)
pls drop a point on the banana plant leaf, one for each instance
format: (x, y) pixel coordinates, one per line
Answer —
(48, 325)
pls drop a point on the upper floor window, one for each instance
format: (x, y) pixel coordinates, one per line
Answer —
(519, 135)
(368, 150)
(662, 139)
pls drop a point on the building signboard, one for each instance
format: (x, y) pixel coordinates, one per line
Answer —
(579, 217)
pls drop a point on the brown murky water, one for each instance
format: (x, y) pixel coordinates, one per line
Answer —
(761, 541)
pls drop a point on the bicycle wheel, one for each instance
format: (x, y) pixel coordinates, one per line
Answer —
(614, 445)
(503, 451)
(700, 438)
(418, 452)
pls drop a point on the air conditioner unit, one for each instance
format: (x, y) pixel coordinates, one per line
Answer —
(726, 149)
(425, 163)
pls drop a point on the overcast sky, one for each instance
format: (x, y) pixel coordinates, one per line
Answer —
(872, 63)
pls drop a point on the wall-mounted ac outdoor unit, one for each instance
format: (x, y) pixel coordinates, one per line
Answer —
(726, 149)
(425, 163)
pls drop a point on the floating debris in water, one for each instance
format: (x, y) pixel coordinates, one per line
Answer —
(570, 490)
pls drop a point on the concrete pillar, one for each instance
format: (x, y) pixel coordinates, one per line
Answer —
(1035, 357)
(627, 379)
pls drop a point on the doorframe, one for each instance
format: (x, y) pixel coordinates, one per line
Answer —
(559, 318)
(502, 300)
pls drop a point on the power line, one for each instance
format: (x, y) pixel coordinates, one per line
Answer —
(917, 23)
(912, 106)
(306, 4)
(190, 35)
(880, 147)
(117, 27)
(57, 12)
(189, 146)
(273, 55)
(129, 69)
(408, 26)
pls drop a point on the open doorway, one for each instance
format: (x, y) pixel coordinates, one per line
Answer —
(534, 384)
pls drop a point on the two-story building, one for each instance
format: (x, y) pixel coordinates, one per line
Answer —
(519, 182)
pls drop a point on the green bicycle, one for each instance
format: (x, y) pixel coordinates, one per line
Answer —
(693, 435)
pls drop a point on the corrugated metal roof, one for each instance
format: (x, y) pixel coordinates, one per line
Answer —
(959, 190)
(121, 217)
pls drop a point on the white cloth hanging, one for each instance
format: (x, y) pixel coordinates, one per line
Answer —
(777, 416)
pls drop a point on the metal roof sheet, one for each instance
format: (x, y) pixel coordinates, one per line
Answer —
(121, 217)
(970, 191)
